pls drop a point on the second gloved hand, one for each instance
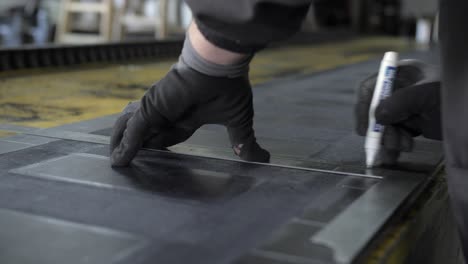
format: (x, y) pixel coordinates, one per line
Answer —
(412, 110)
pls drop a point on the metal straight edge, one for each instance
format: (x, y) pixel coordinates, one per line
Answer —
(105, 140)
(350, 232)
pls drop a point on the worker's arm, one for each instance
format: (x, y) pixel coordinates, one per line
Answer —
(247, 26)
(209, 85)
(219, 46)
(412, 110)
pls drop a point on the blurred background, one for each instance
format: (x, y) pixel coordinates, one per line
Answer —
(42, 22)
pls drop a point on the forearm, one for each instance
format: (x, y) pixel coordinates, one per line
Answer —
(246, 26)
(211, 52)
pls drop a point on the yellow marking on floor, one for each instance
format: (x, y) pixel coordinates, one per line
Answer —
(49, 97)
(4, 133)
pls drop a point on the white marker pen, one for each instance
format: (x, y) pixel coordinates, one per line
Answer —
(383, 89)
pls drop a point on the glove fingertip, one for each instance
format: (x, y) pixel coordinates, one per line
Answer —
(254, 153)
(131, 141)
(124, 153)
(117, 164)
(118, 131)
(117, 159)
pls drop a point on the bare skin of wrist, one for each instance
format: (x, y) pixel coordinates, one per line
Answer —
(209, 51)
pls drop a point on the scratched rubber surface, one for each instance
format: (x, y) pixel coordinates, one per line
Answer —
(209, 211)
(171, 208)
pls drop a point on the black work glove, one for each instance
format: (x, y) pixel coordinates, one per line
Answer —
(185, 100)
(412, 110)
(153, 139)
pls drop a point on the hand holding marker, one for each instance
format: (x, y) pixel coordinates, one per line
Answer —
(383, 89)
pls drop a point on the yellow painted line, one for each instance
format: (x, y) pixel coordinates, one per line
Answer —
(394, 249)
(55, 98)
(49, 97)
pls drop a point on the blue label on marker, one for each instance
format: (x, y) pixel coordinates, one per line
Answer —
(386, 90)
(388, 82)
(378, 128)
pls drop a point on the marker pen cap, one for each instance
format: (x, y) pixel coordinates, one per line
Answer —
(390, 56)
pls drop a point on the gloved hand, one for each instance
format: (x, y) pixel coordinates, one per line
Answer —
(153, 139)
(183, 101)
(412, 110)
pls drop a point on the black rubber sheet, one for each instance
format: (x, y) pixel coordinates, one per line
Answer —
(315, 204)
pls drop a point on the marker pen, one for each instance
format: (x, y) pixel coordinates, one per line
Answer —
(383, 89)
